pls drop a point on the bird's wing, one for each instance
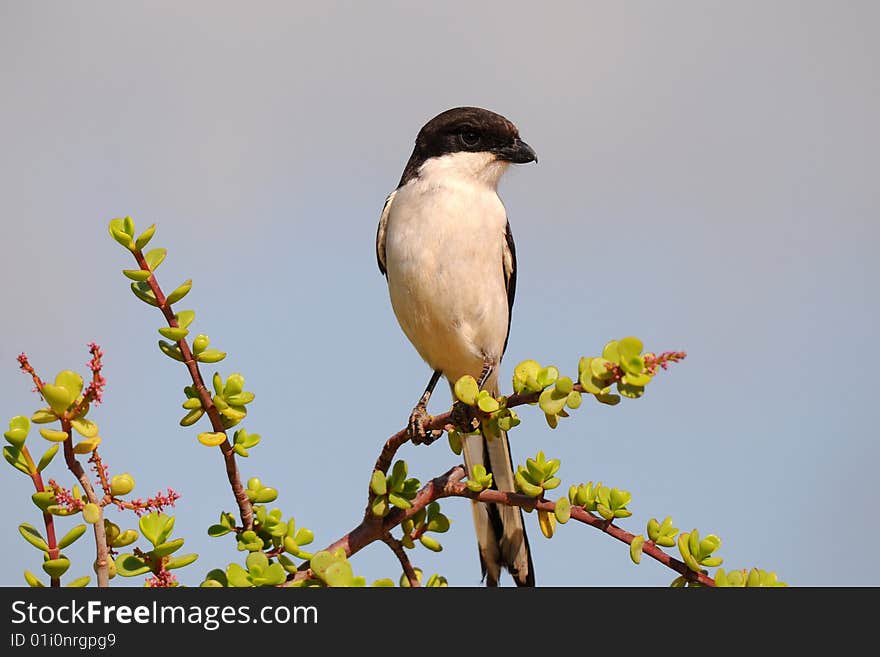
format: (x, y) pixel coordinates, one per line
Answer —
(509, 261)
(382, 230)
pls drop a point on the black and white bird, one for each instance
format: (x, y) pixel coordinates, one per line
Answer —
(445, 247)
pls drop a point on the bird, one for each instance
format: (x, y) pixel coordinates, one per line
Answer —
(445, 247)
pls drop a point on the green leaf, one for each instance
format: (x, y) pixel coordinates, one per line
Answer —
(32, 580)
(599, 368)
(180, 291)
(637, 380)
(377, 483)
(630, 350)
(475, 485)
(563, 510)
(154, 258)
(526, 487)
(610, 352)
(488, 404)
(550, 404)
(547, 376)
(466, 389)
(455, 444)
(604, 511)
(192, 417)
(79, 582)
(304, 536)
(171, 350)
(630, 392)
(547, 523)
(91, 513)
(55, 568)
(169, 547)
(152, 527)
(564, 385)
(265, 495)
(184, 318)
(32, 535)
(635, 549)
(128, 565)
(118, 233)
(44, 416)
(84, 427)
(241, 398)
(19, 426)
(53, 435)
(143, 292)
(173, 333)
(218, 530)
(237, 576)
(16, 459)
(71, 536)
(338, 573)
(58, 397)
(525, 376)
(43, 499)
(127, 537)
(398, 501)
(211, 356)
(138, 275)
(430, 542)
(145, 237)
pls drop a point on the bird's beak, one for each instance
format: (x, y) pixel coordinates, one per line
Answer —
(519, 152)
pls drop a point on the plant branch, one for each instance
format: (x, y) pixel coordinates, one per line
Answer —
(245, 507)
(449, 485)
(102, 563)
(400, 552)
(48, 518)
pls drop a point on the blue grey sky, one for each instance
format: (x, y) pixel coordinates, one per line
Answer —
(707, 182)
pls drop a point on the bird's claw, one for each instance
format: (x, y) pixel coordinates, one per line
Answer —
(418, 434)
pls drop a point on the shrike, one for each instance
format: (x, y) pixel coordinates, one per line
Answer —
(445, 247)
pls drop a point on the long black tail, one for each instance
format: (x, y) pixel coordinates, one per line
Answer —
(501, 533)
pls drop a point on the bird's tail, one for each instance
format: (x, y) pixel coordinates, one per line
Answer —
(501, 534)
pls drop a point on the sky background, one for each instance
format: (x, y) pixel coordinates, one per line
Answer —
(707, 182)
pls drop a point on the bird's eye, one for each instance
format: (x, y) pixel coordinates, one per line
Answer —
(469, 138)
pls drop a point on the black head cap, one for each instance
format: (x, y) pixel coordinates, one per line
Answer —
(468, 129)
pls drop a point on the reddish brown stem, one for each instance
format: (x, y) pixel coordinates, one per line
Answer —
(400, 552)
(449, 485)
(48, 518)
(244, 504)
(102, 562)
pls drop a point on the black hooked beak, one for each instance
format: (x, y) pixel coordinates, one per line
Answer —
(518, 152)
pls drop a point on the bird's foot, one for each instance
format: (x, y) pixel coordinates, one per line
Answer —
(418, 434)
(462, 419)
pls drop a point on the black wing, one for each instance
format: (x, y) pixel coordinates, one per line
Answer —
(509, 262)
(380, 232)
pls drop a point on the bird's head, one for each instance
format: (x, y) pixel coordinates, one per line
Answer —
(469, 141)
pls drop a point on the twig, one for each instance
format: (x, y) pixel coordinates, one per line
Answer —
(449, 485)
(399, 551)
(48, 518)
(102, 569)
(245, 507)
(102, 563)
(445, 420)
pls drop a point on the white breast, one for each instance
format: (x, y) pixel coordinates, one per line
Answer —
(444, 260)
